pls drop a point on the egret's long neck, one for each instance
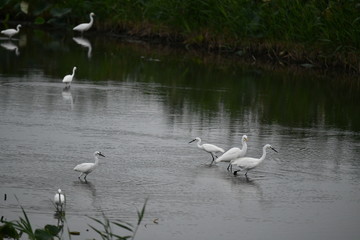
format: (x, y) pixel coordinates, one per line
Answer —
(263, 155)
(199, 144)
(244, 146)
(91, 20)
(96, 160)
(73, 72)
(17, 28)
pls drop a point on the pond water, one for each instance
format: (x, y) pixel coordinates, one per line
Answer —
(140, 105)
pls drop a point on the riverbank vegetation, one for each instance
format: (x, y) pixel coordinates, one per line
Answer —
(310, 33)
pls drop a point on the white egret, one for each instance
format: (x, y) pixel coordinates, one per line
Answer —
(85, 26)
(68, 78)
(248, 163)
(209, 148)
(234, 153)
(11, 32)
(59, 200)
(86, 168)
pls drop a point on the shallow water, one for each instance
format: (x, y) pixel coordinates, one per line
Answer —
(140, 105)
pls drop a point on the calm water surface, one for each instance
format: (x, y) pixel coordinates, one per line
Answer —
(140, 105)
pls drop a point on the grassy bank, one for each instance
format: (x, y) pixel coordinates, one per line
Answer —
(311, 33)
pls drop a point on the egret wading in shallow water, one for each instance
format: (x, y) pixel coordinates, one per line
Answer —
(234, 153)
(68, 78)
(86, 168)
(85, 26)
(209, 148)
(11, 32)
(248, 163)
(59, 200)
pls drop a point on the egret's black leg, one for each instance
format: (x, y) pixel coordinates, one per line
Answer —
(212, 158)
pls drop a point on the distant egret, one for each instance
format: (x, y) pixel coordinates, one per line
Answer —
(234, 153)
(11, 32)
(59, 200)
(86, 168)
(248, 163)
(68, 78)
(209, 148)
(85, 26)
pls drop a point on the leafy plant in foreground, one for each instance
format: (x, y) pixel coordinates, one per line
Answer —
(107, 232)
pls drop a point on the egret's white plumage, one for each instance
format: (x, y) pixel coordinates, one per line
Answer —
(248, 163)
(209, 148)
(11, 47)
(68, 78)
(59, 200)
(234, 153)
(11, 32)
(86, 168)
(85, 26)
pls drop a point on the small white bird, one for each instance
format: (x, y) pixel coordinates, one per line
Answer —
(11, 32)
(248, 163)
(85, 26)
(59, 200)
(86, 168)
(209, 148)
(234, 153)
(68, 78)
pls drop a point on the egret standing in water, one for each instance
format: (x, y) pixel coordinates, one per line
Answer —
(11, 32)
(86, 168)
(68, 78)
(59, 200)
(85, 26)
(209, 148)
(234, 153)
(248, 163)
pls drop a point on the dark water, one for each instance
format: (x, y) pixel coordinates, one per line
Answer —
(140, 105)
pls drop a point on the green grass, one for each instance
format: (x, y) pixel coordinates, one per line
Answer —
(328, 29)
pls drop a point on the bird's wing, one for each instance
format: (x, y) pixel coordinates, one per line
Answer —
(212, 148)
(84, 167)
(81, 27)
(245, 162)
(67, 78)
(229, 155)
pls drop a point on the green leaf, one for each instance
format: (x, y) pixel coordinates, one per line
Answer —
(39, 20)
(52, 229)
(41, 234)
(8, 231)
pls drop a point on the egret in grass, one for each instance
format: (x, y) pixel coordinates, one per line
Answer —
(248, 163)
(209, 148)
(85, 26)
(11, 32)
(68, 78)
(234, 153)
(59, 200)
(86, 168)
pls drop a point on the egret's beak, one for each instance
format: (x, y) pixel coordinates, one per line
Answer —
(274, 149)
(101, 154)
(192, 140)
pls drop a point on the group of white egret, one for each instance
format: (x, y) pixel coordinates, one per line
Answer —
(80, 28)
(83, 168)
(235, 156)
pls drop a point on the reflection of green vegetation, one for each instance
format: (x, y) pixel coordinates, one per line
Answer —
(195, 84)
(322, 30)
